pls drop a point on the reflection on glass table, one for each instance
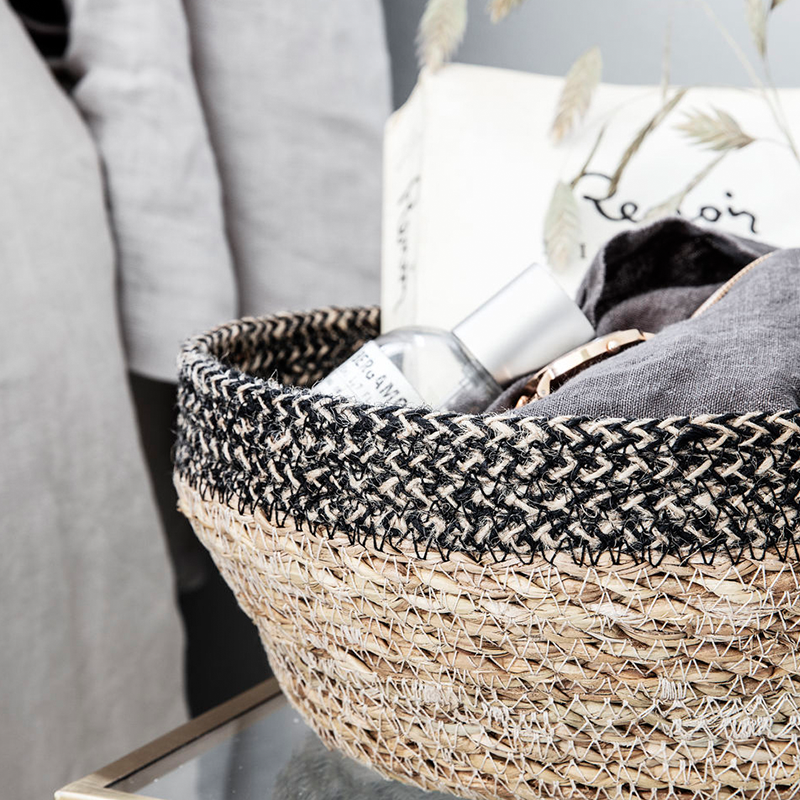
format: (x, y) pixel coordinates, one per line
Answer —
(256, 747)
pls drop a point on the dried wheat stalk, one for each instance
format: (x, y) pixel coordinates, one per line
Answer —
(767, 89)
(579, 85)
(638, 141)
(562, 227)
(720, 132)
(672, 204)
(586, 164)
(441, 30)
(668, 208)
(757, 21)
(500, 9)
(666, 58)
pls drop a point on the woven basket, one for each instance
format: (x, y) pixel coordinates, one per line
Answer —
(503, 607)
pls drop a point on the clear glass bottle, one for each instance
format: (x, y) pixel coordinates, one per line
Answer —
(527, 324)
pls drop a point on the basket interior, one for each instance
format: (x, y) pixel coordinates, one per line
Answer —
(295, 349)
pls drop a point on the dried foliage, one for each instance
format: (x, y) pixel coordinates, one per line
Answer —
(668, 208)
(719, 131)
(672, 204)
(666, 59)
(640, 137)
(562, 227)
(441, 30)
(757, 21)
(500, 9)
(767, 90)
(588, 162)
(579, 85)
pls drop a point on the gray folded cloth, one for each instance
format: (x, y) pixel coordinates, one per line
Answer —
(740, 355)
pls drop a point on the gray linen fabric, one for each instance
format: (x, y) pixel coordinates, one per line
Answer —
(296, 93)
(740, 355)
(137, 92)
(91, 641)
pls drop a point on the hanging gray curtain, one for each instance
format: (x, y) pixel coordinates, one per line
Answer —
(91, 642)
(242, 147)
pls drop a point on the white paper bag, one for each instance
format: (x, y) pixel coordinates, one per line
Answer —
(469, 171)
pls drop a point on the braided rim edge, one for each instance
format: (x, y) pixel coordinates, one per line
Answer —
(251, 433)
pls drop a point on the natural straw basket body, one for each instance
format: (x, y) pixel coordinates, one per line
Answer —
(503, 607)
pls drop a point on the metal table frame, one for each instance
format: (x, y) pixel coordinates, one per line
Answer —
(99, 785)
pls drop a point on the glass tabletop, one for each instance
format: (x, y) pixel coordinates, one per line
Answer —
(267, 753)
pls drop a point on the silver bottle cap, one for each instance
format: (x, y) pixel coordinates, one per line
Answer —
(527, 324)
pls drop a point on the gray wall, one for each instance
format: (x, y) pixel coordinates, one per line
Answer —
(547, 36)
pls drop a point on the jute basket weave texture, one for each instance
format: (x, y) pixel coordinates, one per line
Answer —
(503, 607)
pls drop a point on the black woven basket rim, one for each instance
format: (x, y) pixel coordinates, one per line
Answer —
(674, 449)
(198, 351)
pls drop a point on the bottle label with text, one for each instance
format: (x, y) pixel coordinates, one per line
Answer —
(369, 376)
